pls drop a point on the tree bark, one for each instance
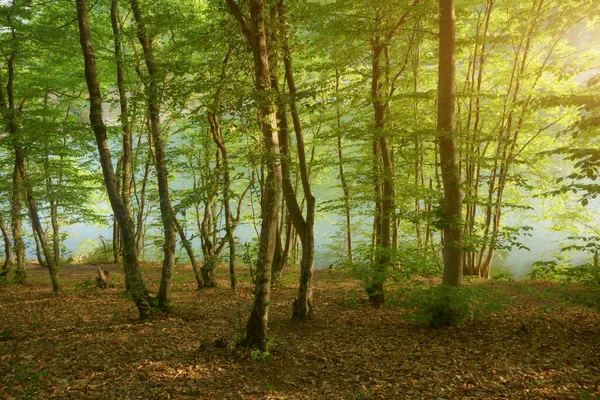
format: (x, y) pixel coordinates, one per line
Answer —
(453, 254)
(190, 252)
(8, 250)
(17, 227)
(153, 98)
(255, 33)
(302, 307)
(133, 277)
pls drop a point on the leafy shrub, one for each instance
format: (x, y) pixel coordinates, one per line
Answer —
(447, 305)
(403, 264)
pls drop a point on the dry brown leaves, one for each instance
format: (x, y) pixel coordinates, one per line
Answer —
(86, 343)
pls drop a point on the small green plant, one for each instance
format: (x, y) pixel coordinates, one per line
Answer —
(259, 355)
(446, 305)
(86, 284)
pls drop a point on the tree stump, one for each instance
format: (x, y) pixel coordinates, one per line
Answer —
(103, 280)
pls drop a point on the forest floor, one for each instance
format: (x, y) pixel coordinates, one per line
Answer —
(87, 344)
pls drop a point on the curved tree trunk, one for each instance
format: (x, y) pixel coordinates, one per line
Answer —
(303, 307)
(133, 277)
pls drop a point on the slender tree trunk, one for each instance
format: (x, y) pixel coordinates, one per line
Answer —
(344, 182)
(133, 277)
(8, 250)
(124, 116)
(17, 227)
(453, 254)
(153, 98)
(51, 192)
(190, 252)
(141, 204)
(35, 219)
(38, 250)
(116, 233)
(303, 306)
(208, 246)
(255, 33)
(384, 184)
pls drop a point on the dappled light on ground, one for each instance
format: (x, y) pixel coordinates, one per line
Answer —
(86, 343)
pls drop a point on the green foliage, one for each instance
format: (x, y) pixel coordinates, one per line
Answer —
(447, 305)
(262, 356)
(367, 269)
(568, 271)
(93, 251)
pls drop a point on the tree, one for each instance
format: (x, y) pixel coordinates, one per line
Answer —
(448, 150)
(255, 32)
(302, 307)
(133, 276)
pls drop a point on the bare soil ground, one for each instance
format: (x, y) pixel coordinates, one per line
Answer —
(87, 344)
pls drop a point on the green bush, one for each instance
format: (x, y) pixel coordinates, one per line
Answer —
(447, 305)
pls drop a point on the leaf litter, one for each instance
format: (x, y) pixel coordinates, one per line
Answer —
(87, 343)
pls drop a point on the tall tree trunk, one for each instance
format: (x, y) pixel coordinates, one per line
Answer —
(7, 107)
(116, 233)
(255, 33)
(53, 200)
(10, 114)
(303, 307)
(141, 206)
(383, 86)
(133, 277)
(124, 116)
(153, 98)
(343, 181)
(451, 178)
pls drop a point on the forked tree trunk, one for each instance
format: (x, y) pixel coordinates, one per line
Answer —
(124, 116)
(255, 33)
(303, 307)
(36, 224)
(133, 277)
(10, 114)
(153, 99)
(7, 107)
(453, 254)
